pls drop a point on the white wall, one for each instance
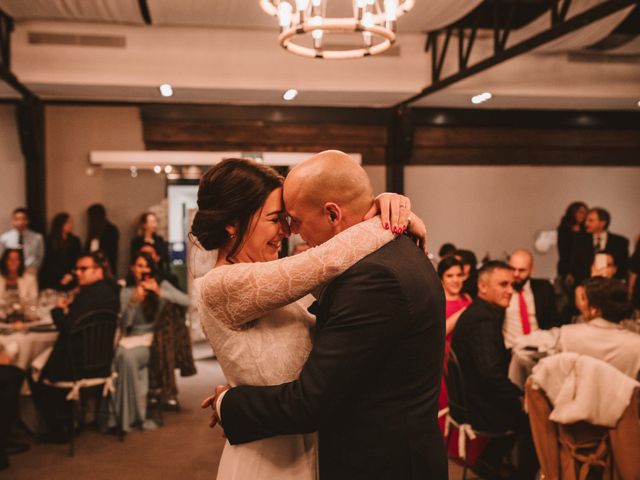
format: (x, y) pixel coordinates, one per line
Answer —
(497, 209)
(74, 131)
(12, 182)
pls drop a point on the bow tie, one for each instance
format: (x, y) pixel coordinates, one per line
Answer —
(314, 308)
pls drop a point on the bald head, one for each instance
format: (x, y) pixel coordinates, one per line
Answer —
(326, 194)
(522, 263)
(331, 176)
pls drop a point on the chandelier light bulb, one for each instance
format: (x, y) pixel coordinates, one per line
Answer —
(367, 20)
(368, 38)
(316, 3)
(317, 34)
(302, 5)
(361, 3)
(284, 14)
(391, 10)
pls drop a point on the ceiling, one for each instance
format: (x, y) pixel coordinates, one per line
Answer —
(226, 52)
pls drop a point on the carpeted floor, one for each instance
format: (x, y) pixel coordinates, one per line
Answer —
(185, 448)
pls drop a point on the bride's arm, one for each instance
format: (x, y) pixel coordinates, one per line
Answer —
(236, 294)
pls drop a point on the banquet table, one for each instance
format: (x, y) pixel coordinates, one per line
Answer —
(27, 345)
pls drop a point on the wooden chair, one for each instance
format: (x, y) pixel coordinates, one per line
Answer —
(91, 349)
(458, 412)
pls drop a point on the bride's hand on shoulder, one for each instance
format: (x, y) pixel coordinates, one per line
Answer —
(394, 210)
(395, 214)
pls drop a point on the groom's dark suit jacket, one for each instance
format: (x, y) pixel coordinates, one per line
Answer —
(370, 385)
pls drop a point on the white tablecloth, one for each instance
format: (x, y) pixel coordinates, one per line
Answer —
(29, 345)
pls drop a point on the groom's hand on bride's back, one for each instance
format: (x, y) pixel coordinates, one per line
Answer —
(211, 402)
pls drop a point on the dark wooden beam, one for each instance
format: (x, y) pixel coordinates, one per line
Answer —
(558, 30)
(144, 12)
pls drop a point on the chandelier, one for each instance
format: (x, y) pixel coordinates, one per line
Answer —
(372, 21)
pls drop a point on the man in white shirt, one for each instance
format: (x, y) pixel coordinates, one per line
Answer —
(20, 237)
(532, 305)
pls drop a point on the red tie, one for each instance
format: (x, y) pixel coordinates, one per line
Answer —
(524, 314)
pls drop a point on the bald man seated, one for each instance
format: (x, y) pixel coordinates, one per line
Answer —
(533, 304)
(370, 385)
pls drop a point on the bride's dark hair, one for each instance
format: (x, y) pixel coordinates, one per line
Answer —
(229, 194)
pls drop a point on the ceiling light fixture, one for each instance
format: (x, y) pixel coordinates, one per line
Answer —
(168, 169)
(290, 94)
(373, 21)
(483, 97)
(166, 90)
(157, 169)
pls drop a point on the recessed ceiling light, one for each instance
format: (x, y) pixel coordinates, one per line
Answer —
(166, 90)
(481, 98)
(157, 169)
(290, 94)
(168, 169)
(639, 103)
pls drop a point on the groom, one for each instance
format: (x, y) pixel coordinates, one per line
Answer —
(370, 385)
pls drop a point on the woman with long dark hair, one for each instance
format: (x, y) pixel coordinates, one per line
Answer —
(141, 303)
(102, 235)
(63, 249)
(571, 225)
(248, 301)
(16, 286)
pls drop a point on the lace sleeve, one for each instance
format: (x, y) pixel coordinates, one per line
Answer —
(239, 293)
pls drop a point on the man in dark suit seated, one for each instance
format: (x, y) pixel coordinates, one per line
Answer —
(494, 403)
(533, 305)
(598, 239)
(96, 292)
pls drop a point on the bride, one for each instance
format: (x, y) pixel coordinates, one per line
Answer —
(250, 305)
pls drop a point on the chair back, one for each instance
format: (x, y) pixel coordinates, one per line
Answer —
(454, 381)
(91, 344)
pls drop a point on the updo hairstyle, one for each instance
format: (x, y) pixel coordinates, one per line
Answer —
(229, 194)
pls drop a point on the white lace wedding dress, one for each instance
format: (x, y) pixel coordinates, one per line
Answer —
(261, 338)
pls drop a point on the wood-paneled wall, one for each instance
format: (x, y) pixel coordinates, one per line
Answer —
(455, 137)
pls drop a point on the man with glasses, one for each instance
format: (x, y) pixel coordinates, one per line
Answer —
(96, 291)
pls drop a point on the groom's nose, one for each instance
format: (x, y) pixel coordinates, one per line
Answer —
(285, 230)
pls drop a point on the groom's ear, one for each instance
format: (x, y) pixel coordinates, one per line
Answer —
(334, 213)
(231, 230)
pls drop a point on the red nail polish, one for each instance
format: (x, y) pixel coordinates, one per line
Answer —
(386, 226)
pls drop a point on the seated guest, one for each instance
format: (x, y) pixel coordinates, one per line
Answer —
(102, 235)
(163, 268)
(494, 403)
(16, 287)
(10, 383)
(95, 292)
(147, 226)
(20, 237)
(533, 305)
(605, 306)
(470, 271)
(142, 302)
(598, 239)
(450, 273)
(63, 250)
(604, 265)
